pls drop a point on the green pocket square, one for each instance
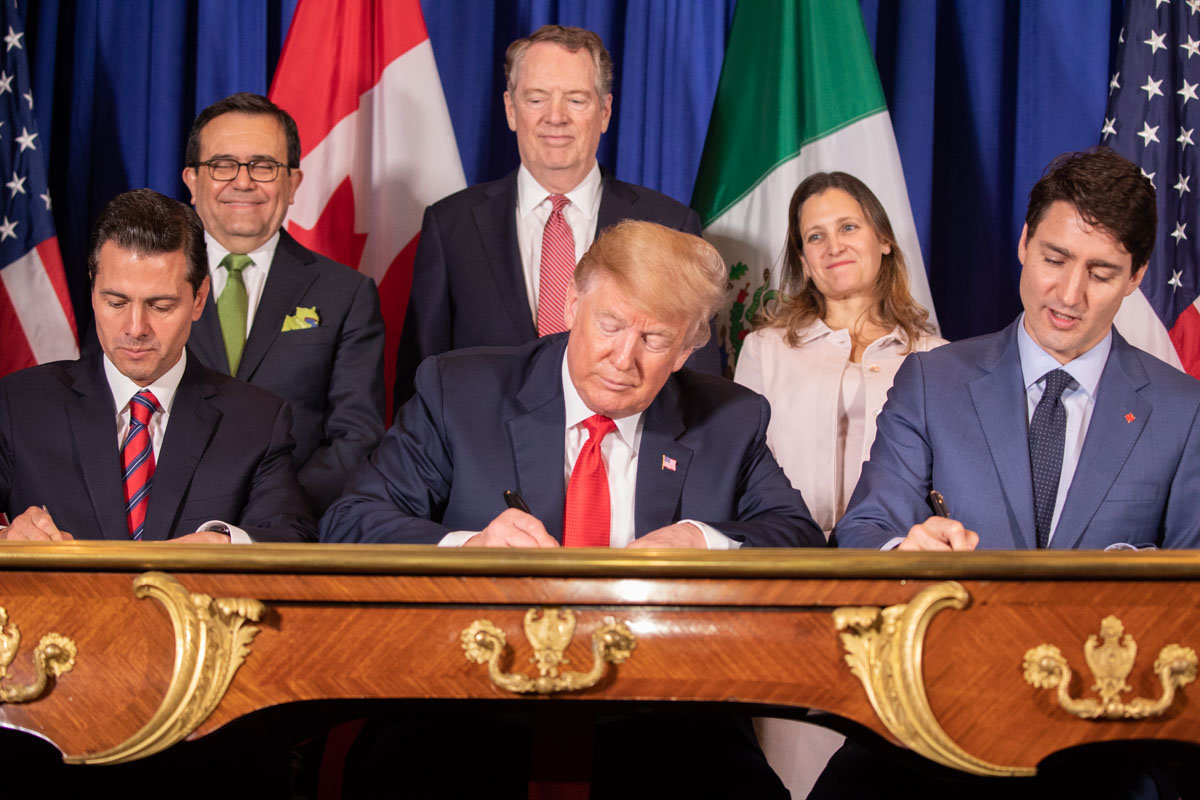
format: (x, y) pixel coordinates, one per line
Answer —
(301, 319)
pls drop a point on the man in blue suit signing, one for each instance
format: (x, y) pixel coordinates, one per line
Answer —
(607, 439)
(1054, 432)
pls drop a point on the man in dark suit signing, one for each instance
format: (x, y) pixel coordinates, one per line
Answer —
(141, 441)
(284, 318)
(611, 443)
(1054, 432)
(681, 459)
(494, 260)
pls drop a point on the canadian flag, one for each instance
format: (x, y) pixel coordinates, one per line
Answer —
(377, 144)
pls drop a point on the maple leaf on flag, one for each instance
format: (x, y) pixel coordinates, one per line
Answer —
(333, 235)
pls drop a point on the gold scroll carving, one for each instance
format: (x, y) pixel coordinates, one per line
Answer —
(884, 650)
(54, 655)
(550, 631)
(1110, 661)
(212, 640)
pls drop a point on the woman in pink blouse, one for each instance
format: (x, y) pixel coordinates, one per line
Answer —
(825, 358)
(826, 355)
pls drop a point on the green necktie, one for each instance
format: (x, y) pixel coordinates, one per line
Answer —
(231, 308)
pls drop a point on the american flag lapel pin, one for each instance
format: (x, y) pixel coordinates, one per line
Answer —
(668, 463)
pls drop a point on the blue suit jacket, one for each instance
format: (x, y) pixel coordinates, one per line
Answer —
(227, 455)
(468, 284)
(956, 421)
(488, 419)
(331, 375)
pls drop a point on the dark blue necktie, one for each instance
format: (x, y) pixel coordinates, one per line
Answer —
(1047, 434)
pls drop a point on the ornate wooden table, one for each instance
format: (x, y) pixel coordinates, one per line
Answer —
(983, 662)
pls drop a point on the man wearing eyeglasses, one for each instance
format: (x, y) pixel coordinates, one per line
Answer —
(285, 318)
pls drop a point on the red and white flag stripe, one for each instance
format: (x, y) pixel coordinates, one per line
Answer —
(1142, 328)
(378, 147)
(37, 323)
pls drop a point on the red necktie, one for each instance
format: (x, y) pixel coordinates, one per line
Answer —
(557, 267)
(137, 461)
(586, 516)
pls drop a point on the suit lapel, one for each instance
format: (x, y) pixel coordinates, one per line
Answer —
(206, 340)
(537, 438)
(291, 274)
(496, 222)
(616, 202)
(189, 430)
(1000, 405)
(1109, 441)
(658, 488)
(92, 420)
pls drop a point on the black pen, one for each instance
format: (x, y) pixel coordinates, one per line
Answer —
(938, 503)
(514, 500)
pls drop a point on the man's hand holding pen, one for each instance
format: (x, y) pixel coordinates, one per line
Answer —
(939, 532)
(513, 528)
(35, 524)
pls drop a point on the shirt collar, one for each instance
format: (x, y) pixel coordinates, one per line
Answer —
(817, 329)
(577, 411)
(585, 196)
(1036, 362)
(261, 256)
(163, 389)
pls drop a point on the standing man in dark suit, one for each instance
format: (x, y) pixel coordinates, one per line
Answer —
(483, 273)
(284, 318)
(682, 458)
(1053, 432)
(141, 441)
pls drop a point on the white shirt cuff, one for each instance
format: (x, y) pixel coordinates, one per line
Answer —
(713, 538)
(236, 534)
(457, 538)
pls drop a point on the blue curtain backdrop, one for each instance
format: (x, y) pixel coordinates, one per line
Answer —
(982, 95)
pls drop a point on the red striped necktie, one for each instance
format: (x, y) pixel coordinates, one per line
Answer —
(556, 268)
(137, 462)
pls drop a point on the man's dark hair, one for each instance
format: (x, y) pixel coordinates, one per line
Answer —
(151, 224)
(1108, 191)
(244, 103)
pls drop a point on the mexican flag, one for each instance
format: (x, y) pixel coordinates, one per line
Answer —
(799, 93)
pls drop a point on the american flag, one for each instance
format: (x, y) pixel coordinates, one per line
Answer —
(1153, 119)
(36, 320)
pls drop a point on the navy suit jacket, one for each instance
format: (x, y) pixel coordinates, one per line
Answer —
(488, 419)
(468, 284)
(956, 421)
(331, 375)
(226, 455)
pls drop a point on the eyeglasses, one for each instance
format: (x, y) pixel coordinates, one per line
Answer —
(260, 171)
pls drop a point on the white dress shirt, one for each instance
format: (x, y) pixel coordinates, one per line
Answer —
(805, 387)
(533, 209)
(164, 388)
(1079, 398)
(254, 276)
(619, 450)
(123, 389)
